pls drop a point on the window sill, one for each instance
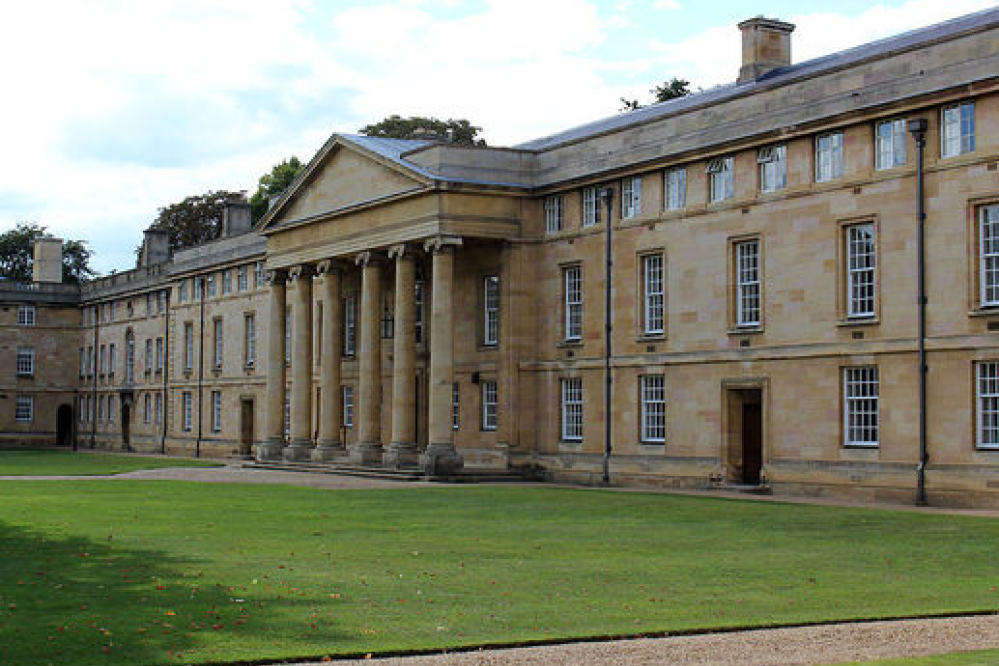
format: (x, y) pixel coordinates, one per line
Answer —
(653, 444)
(746, 330)
(987, 449)
(861, 447)
(493, 346)
(651, 337)
(858, 321)
(570, 343)
(985, 311)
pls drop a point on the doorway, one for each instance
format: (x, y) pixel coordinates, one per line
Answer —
(126, 425)
(745, 436)
(245, 427)
(64, 425)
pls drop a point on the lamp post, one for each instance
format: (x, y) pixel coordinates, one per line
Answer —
(607, 196)
(917, 127)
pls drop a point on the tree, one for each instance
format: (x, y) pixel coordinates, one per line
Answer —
(17, 254)
(195, 220)
(460, 132)
(672, 89)
(272, 184)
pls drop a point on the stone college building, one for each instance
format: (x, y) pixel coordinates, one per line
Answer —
(789, 282)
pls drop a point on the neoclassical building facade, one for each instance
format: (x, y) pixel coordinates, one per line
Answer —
(790, 282)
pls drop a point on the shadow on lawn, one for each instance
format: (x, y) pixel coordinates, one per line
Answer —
(77, 601)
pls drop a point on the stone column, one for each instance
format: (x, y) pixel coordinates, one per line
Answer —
(402, 451)
(301, 364)
(368, 448)
(270, 448)
(440, 457)
(331, 418)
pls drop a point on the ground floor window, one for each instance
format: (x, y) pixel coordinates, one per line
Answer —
(572, 409)
(489, 405)
(653, 389)
(186, 399)
(860, 406)
(987, 390)
(216, 411)
(348, 406)
(147, 401)
(24, 408)
(455, 405)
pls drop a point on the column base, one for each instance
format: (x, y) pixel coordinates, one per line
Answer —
(399, 455)
(441, 460)
(365, 454)
(297, 451)
(327, 451)
(270, 450)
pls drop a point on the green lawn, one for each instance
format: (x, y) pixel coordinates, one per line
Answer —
(151, 572)
(984, 658)
(68, 463)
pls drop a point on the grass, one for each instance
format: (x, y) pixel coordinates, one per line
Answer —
(981, 658)
(154, 572)
(68, 463)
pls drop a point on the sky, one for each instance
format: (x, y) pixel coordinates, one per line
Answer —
(115, 108)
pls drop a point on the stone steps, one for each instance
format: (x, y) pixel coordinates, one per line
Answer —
(470, 475)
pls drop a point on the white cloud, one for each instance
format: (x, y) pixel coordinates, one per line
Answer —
(667, 5)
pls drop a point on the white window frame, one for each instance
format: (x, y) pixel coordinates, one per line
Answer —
(147, 411)
(218, 344)
(24, 408)
(349, 326)
(748, 287)
(654, 294)
(721, 174)
(149, 354)
(554, 213)
(987, 405)
(158, 407)
(491, 305)
(159, 354)
(188, 346)
(211, 285)
(216, 411)
(347, 393)
(490, 405)
(675, 188)
(861, 271)
(828, 157)
(249, 339)
(25, 362)
(631, 197)
(241, 277)
(226, 281)
(889, 144)
(455, 405)
(773, 168)
(653, 401)
(186, 411)
(591, 206)
(182, 291)
(572, 409)
(572, 281)
(988, 255)
(26, 315)
(957, 129)
(861, 391)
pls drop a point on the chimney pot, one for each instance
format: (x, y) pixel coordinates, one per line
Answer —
(766, 46)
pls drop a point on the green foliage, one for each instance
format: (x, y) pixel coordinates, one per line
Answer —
(17, 252)
(274, 183)
(68, 463)
(195, 220)
(101, 573)
(672, 89)
(460, 132)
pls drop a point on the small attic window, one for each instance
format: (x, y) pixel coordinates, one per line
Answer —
(766, 155)
(717, 165)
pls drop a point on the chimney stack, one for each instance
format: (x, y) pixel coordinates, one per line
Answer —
(766, 46)
(155, 247)
(236, 218)
(47, 264)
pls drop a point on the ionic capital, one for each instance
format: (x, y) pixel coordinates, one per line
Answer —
(301, 271)
(328, 266)
(441, 244)
(363, 259)
(401, 251)
(276, 276)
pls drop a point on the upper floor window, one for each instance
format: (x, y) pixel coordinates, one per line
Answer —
(159, 354)
(211, 285)
(889, 150)
(161, 297)
(957, 129)
(572, 279)
(553, 213)
(591, 206)
(828, 157)
(26, 315)
(348, 406)
(747, 288)
(241, 274)
(216, 411)
(249, 340)
(258, 274)
(218, 343)
(226, 281)
(149, 354)
(861, 264)
(773, 168)
(490, 297)
(25, 361)
(721, 171)
(182, 291)
(349, 326)
(199, 287)
(653, 294)
(455, 405)
(988, 238)
(675, 182)
(188, 346)
(631, 197)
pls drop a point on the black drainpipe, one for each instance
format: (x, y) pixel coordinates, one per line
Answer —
(917, 127)
(607, 194)
(166, 371)
(201, 368)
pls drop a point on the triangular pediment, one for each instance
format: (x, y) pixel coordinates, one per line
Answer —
(344, 175)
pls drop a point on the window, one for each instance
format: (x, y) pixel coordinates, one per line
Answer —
(987, 397)
(110, 409)
(988, 235)
(773, 168)
(455, 405)
(100, 409)
(287, 336)
(186, 397)
(182, 291)
(489, 406)
(860, 269)
(216, 411)
(553, 214)
(860, 406)
(24, 408)
(957, 132)
(348, 406)
(188, 346)
(83, 410)
(111, 363)
(249, 340)
(889, 149)
(90, 361)
(26, 315)
(25, 361)
(721, 172)
(241, 275)
(83, 362)
(653, 389)
(217, 343)
(828, 157)
(158, 407)
(418, 297)
(211, 285)
(490, 297)
(199, 287)
(149, 354)
(653, 294)
(573, 292)
(103, 360)
(631, 197)
(675, 196)
(572, 409)
(112, 310)
(161, 297)
(747, 288)
(149, 304)
(349, 326)
(591, 206)
(226, 281)
(147, 408)
(258, 274)
(159, 354)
